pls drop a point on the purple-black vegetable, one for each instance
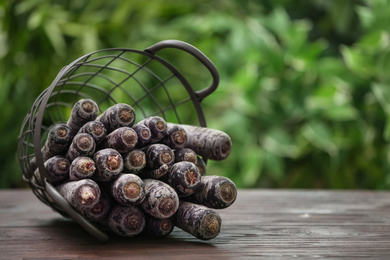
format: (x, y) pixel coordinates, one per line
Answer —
(128, 189)
(82, 145)
(83, 111)
(216, 192)
(134, 161)
(157, 126)
(126, 221)
(109, 164)
(96, 129)
(161, 200)
(116, 116)
(82, 167)
(122, 139)
(198, 220)
(143, 133)
(176, 136)
(185, 154)
(81, 194)
(184, 177)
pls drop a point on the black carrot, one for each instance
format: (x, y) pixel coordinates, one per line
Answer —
(96, 129)
(57, 168)
(128, 189)
(83, 111)
(198, 220)
(117, 116)
(157, 155)
(161, 200)
(126, 221)
(134, 161)
(185, 154)
(82, 167)
(157, 126)
(82, 145)
(184, 177)
(100, 210)
(81, 194)
(176, 136)
(122, 139)
(216, 192)
(158, 227)
(143, 133)
(209, 143)
(109, 164)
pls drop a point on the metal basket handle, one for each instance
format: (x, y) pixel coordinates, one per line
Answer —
(201, 94)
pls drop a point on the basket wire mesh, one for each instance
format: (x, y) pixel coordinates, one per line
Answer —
(142, 79)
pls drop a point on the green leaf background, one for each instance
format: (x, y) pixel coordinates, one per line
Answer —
(304, 85)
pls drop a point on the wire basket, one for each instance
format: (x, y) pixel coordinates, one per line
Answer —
(147, 82)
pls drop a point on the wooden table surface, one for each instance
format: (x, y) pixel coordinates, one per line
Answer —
(261, 223)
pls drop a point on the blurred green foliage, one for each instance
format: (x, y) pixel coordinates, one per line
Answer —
(304, 84)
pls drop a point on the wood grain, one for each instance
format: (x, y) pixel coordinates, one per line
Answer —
(261, 223)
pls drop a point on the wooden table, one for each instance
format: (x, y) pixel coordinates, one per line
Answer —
(261, 223)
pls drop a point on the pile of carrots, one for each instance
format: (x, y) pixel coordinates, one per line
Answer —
(137, 177)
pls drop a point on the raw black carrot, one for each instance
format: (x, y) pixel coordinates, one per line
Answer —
(100, 210)
(83, 111)
(126, 220)
(184, 177)
(198, 220)
(143, 133)
(134, 161)
(58, 140)
(128, 189)
(81, 194)
(201, 164)
(157, 155)
(122, 139)
(176, 136)
(109, 164)
(82, 167)
(185, 154)
(157, 126)
(158, 227)
(216, 192)
(82, 145)
(161, 200)
(117, 116)
(154, 173)
(96, 129)
(57, 168)
(209, 143)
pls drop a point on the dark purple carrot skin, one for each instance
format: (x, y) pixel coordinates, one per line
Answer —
(122, 139)
(217, 192)
(81, 194)
(209, 143)
(134, 161)
(154, 174)
(57, 168)
(100, 210)
(157, 126)
(158, 227)
(201, 164)
(176, 136)
(184, 177)
(126, 221)
(198, 220)
(157, 155)
(83, 111)
(96, 129)
(82, 167)
(185, 154)
(117, 116)
(128, 189)
(82, 145)
(143, 133)
(58, 140)
(161, 200)
(109, 164)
